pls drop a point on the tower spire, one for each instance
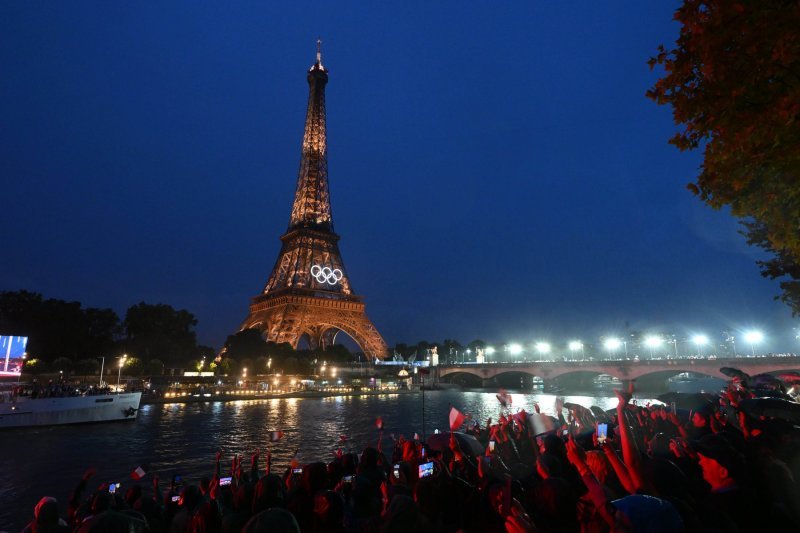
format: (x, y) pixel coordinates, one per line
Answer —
(312, 206)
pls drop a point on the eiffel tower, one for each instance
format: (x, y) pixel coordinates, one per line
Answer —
(309, 291)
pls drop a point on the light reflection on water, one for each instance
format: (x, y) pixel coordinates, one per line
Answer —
(183, 438)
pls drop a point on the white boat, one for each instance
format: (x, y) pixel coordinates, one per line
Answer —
(24, 411)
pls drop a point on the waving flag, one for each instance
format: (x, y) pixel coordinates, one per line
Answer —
(456, 419)
(504, 398)
(275, 436)
(379, 423)
(139, 473)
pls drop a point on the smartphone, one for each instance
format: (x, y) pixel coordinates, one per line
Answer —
(435, 431)
(176, 498)
(422, 451)
(425, 470)
(397, 471)
(297, 470)
(491, 446)
(113, 487)
(225, 481)
(348, 479)
(602, 433)
(673, 408)
(565, 432)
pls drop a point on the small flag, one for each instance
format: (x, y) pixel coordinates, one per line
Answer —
(139, 473)
(379, 423)
(416, 436)
(342, 438)
(275, 436)
(456, 419)
(504, 398)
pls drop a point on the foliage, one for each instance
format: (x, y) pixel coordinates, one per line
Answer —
(246, 343)
(133, 367)
(160, 331)
(35, 366)
(56, 328)
(62, 364)
(154, 367)
(733, 81)
(87, 367)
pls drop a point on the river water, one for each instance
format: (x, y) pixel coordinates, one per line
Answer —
(181, 439)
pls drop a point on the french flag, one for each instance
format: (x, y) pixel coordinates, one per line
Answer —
(275, 436)
(456, 418)
(139, 473)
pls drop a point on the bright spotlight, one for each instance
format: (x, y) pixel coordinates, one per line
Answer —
(515, 349)
(489, 350)
(653, 341)
(543, 347)
(700, 340)
(612, 344)
(575, 345)
(753, 337)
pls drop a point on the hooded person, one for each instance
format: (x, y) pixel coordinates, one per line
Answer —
(45, 517)
(729, 506)
(641, 513)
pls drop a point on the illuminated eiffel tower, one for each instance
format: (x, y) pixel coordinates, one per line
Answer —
(309, 292)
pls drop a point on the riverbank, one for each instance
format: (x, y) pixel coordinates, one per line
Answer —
(230, 397)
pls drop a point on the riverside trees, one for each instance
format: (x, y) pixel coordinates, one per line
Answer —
(733, 82)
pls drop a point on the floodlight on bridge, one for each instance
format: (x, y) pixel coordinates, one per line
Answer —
(574, 346)
(543, 347)
(700, 340)
(653, 341)
(490, 350)
(612, 344)
(515, 349)
(753, 337)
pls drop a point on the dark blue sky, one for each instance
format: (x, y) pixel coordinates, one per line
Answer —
(495, 173)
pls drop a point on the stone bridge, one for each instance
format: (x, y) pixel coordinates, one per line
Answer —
(649, 370)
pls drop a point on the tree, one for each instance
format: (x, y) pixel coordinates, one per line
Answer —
(160, 331)
(733, 81)
(246, 343)
(154, 367)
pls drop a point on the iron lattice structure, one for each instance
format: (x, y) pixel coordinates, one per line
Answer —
(309, 292)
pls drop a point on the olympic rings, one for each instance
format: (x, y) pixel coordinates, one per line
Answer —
(326, 274)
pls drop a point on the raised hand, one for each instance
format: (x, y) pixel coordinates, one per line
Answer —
(89, 473)
(623, 397)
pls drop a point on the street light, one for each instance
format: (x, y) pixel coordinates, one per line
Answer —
(700, 341)
(574, 346)
(612, 345)
(653, 342)
(753, 337)
(514, 349)
(543, 347)
(119, 371)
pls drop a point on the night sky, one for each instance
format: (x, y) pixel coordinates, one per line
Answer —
(495, 173)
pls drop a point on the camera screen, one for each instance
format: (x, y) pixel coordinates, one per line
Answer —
(425, 469)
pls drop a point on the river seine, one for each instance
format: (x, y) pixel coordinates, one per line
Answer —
(181, 439)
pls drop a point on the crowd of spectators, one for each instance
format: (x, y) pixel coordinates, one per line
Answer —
(730, 463)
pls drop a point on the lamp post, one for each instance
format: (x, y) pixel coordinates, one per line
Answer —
(699, 341)
(613, 344)
(543, 348)
(574, 346)
(753, 337)
(119, 371)
(652, 342)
